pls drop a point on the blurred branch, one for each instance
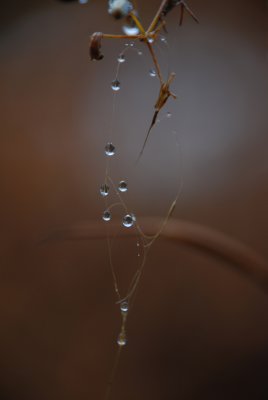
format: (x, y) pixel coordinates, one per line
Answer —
(200, 238)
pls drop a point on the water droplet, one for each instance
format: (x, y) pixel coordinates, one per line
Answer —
(115, 85)
(104, 190)
(122, 339)
(130, 30)
(124, 307)
(122, 186)
(152, 73)
(163, 39)
(169, 114)
(150, 40)
(129, 220)
(106, 216)
(109, 149)
(121, 58)
(139, 52)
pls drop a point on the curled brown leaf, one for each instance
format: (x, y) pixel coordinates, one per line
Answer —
(95, 46)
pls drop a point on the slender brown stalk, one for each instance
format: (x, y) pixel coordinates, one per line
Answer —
(157, 17)
(150, 47)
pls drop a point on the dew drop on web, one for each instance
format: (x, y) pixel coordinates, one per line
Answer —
(152, 73)
(109, 149)
(104, 190)
(121, 58)
(124, 307)
(106, 216)
(122, 187)
(115, 85)
(130, 30)
(122, 339)
(129, 220)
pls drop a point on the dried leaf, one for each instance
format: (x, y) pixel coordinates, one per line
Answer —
(163, 96)
(95, 46)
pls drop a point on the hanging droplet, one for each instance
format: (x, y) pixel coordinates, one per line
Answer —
(138, 248)
(163, 39)
(150, 40)
(130, 30)
(104, 190)
(152, 73)
(109, 149)
(169, 114)
(122, 187)
(129, 220)
(115, 85)
(122, 339)
(106, 216)
(124, 307)
(121, 59)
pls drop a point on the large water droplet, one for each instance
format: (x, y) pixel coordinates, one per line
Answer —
(121, 58)
(124, 307)
(152, 73)
(104, 190)
(122, 339)
(106, 216)
(109, 149)
(130, 30)
(115, 85)
(129, 220)
(122, 186)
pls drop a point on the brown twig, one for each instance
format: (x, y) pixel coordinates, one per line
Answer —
(240, 257)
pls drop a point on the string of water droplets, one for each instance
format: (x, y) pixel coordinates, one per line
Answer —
(129, 219)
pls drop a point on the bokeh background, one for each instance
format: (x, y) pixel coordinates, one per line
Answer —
(198, 330)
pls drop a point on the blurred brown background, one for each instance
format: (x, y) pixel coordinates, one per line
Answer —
(198, 330)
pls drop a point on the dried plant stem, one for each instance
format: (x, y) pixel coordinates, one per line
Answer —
(138, 23)
(157, 17)
(110, 36)
(150, 47)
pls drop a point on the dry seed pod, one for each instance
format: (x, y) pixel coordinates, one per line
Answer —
(95, 46)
